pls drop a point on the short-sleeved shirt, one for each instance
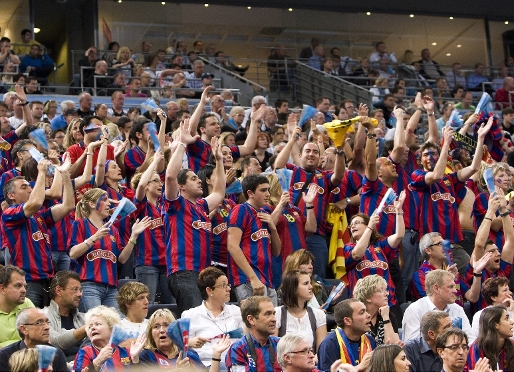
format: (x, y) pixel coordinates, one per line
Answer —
(188, 234)
(438, 209)
(303, 325)
(239, 354)
(255, 245)
(28, 241)
(78, 149)
(198, 154)
(150, 249)
(99, 263)
(9, 332)
(219, 252)
(375, 261)
(134, 158)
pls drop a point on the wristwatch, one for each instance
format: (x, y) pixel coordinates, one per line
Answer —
(340, 152)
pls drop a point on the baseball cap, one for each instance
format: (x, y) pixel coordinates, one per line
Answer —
(206, 75)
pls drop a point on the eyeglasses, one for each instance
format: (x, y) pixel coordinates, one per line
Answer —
(303, 352)
(356, 222)
(223, 286)
(39, 323)
(456, 347)
(158, 326)
(383, 290)
(75, 289)
(434, 244)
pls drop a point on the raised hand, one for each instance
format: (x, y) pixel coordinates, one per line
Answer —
(480, 265)
(137, 346)
(310, 196)
(216, 150)
(373, 221)
(139, 226)
(66, 165)
(428, 103)
(258, 114)
(363, 109)
(184, 135)
(220, 346)
(482, 131)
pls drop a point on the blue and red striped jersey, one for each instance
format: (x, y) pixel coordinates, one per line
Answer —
(239, 355)
(28, 241)
(6, 176)
(255, 244)
(134, 157)
(219, 253)
(476, 352)
(150, 249)
(198, 154)
(479, 211)
(188, 234)
(325, 187)
(438, 208)
(119, 360)
(156, 358)
(98, 263)
(375, 261)
(124, 226)
(59, 231)
(291, 230)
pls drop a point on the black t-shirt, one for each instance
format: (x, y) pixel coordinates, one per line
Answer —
(377, 330)
(67, 323)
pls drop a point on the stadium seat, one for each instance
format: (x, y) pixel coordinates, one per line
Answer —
(154, 307)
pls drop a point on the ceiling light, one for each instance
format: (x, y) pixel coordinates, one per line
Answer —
(506, 22)
(119, 1)
(434, 43)
(36, 30)
(451, 17)
(249, 7)
(412, 16)
(163, 3)
(290, 9)
(448, 54)
(368, 13)
(206, 5)
(458, 45)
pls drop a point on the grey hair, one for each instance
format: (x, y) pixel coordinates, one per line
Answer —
(198, 62)
(436, 277)
(430, 321)
(425, 241)
(286, 345)
(64, 105)
(257, 99)
(8, 94)
(365, 287)
(110, 315)
(23, 318)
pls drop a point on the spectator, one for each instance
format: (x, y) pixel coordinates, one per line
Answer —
(119, 82)
(353, 321)
(280, 66)
(372, 291)
(7, 55)
(140, 58)
(379, 90)
(67, 324)
(12, 301)
(308, 52)
(282, 108)
(508, 120)
(455, 77)
(452, 346)
(440, 288)
(497, 82)
(116, 110)
(123, 62)
(429, 68)
(23, 48)
(31, 86)
(422, 351)
(133, 302)
(98, 79)
(135, 89)
(503, 97)
(33, 325)
(194, 79)
(494, 340)
(442, 93)
(381, 54)
(316, 60)
(476, 79)
(466, 100)
(258, 315)
(89, 63)
(85, 104)
(389, 358)
(37, 63)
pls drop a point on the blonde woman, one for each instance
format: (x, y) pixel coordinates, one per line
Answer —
(123, 62)
(73, 135)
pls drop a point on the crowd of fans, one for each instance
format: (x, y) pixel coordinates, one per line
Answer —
(213, 225)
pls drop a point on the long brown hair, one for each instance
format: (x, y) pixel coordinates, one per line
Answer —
(375, 236)
(488, 338)
(297, 258)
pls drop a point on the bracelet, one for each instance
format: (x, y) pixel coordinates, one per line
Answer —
(367, 227)
(311, 207)
(371, 135)
(89, 153)
(87, 243)
(430, 114)
(504, 214)
(386, 321)
(183, 144)
(477, 274)
(24, 103)
(399, 213)
(487, 218)
(340, 152)
(134, 242)
(216, 359)
(419, 109)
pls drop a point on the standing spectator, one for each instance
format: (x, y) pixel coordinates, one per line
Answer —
(257, 350)
(429, 68)
(24, 217)
(455, 77)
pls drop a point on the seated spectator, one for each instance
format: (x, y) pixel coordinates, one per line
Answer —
(295, 316)
(421, 81)
(12, 301)
(475, 80)
(99, 354)
(440, 288)
(455, 77)
(133, 302)
(258, 314)
(504, 96)
(362, 70)
(380, 54)
(89, 63)
(452, 347)
(194, 79)
(116, 111)
(353, 323)
(387, 105)
(508, 120)
(497, 82)
(316, 60)
(422, 351)
(372, 292)
(73, 135)
(457, 92)
(389, 358)
(37, 63)
(119, 83)
(99, 78)
(31, 85)
(123, 62)
(22, 48)
(495, 292)
(33, 326)
(447, 110)
(180, 87)
(214, 315)
(112, 48)
(494, 341)
(379, 90)
(466, 100)
(386, 71)
(7, 55)
(429, 68)
(135, 89)
(49, 110)
(67, 324)
(24, 360)
(441, 93)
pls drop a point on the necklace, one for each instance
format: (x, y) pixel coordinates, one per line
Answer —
(214, 320)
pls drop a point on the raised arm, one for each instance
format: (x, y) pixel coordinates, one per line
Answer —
(251, 139)
(483, 231)
(471, 121)
(412, 125)
(162, 139)
(147, 176)
(467, 172)
(508, 247)
(395, 239)
(360, 248)
(88, 168)
(59, 211)
(433, 131)
(371, 158)
(399, 137)
(37, 196)
(438, 173)
(195, 117)
(358, 156)
(281, 160)
(219, 186)
(100, 164)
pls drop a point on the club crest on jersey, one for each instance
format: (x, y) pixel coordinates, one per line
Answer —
(299, 185)
(38, 235)
(100, 253)
(446, 196)
(156, 223)
(125, 361)
(163, 362)
(336, 191)
(201, 225)
(220, 228)
(259, 234)
(447, 182)
(372, 265)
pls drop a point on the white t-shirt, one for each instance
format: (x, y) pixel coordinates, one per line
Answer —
(135, 328)
(303, 325)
